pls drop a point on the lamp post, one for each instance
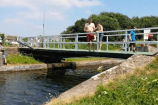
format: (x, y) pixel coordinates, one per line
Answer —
(43, 21)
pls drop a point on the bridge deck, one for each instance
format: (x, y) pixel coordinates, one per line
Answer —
(56, 55)
(102, 51)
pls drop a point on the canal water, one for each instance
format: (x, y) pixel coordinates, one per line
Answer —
(37, 87)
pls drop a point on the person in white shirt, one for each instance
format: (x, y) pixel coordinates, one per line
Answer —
(99, 28)
(89, 28)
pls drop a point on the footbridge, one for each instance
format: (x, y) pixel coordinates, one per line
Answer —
(54, 48)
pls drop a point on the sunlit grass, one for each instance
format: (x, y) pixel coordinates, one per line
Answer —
(139, 88)
(21, 59)
(84, 59)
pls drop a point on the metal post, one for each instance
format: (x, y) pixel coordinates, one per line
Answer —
(125, 42)
(107, 43)
(44, 42)
(37, 42)
(97, 41)
(53, 43)
(60, 42)
(47, 42)
(64, 43)
(19, 40)
(28, 41)
(76, 42)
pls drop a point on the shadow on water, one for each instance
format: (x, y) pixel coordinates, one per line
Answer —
(37, 87)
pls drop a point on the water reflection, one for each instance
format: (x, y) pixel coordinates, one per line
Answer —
(35, 87)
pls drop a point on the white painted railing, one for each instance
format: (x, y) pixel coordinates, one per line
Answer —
(45, 41)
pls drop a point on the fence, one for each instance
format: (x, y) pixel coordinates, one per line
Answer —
(58, 41)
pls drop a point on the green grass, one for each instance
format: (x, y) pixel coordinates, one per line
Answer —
(85, 46)
(140, 88)
(21, 59)
(83, 59)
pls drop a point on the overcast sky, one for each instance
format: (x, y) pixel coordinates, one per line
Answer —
(25, 17)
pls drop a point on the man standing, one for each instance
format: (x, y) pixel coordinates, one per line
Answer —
(132, 38)
(99, 28)
(89, 28)
(3, 53)
(150, 36)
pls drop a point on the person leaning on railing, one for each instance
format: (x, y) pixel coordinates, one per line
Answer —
(150, 37)
(89, 28)
(99, 28)
(132, 38)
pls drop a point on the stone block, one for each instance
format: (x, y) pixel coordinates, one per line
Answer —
(142, 49)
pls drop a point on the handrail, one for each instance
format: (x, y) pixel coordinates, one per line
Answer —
(60, 39)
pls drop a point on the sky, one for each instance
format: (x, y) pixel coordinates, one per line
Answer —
(26, 17)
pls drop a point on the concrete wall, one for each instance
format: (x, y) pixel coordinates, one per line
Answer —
(24, 67)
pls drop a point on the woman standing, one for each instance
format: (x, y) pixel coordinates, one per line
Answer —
(99, 28)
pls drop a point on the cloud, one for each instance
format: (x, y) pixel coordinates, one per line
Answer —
(36, 4)
(23, 17)
(40, 27)
(88, 12)
(17, 3)
(85, 3)
(49, 15)
(13, 21)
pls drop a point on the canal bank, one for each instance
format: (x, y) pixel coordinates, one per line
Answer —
(88, 87)
(68, 65)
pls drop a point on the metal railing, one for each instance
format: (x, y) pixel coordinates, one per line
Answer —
(59, 40)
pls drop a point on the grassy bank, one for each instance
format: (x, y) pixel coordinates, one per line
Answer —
(137, 88)
(84, 59)
(21, 59)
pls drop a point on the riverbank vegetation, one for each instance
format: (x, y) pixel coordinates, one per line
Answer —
(21, 59)
(85, 59)
(136, 88)
(115, 21)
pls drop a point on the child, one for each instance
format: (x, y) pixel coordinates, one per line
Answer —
(3, 53)
(123, 45)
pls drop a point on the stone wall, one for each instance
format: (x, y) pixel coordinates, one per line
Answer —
(1, 59)
(11, 50)
(142, 49)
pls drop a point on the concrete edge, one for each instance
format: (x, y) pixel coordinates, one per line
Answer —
(26, 67)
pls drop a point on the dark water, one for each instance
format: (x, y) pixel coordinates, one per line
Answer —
(37, 87)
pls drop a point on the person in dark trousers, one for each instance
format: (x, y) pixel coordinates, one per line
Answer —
(3, 53)
(132, 38)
